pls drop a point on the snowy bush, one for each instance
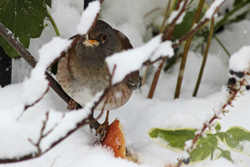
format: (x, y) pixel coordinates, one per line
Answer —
(34, 121)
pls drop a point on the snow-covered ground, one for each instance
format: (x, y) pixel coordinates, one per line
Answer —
(139, 114)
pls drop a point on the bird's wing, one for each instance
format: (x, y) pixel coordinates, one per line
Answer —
(133, 80)
(124, 40)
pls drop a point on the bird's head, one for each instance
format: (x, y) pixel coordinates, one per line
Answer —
(101, 41)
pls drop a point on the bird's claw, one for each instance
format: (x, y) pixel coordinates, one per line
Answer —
(102, 132)
(72, 105)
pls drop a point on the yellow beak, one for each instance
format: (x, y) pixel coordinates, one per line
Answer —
(91, 43)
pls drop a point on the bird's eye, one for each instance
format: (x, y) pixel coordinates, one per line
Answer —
(104, 37)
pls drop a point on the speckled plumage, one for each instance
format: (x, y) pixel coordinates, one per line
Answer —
(82, 71)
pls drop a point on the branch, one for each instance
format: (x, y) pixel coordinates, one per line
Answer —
(186, 49)
(42, 135)
(234, 87)
(168, 33)
(204, 58)
(7, 34)
(173, 23)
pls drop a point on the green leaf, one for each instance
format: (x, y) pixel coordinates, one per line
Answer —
(237, 2)
(48, 2)
(217, 127)
(238, 139)
(204, 148)
(226, 154)
(221, 135)
(24, 18)
(185, 25)
(172, 139)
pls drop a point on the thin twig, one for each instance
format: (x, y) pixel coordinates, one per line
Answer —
(233, 90)
(161, 30)
(167, 35)
(186, 49)
(166, 16)
(226, 18)
(204, 57)
(221, 44)
(150, 12)
(30, 105)
(173, 23)
(53, 23)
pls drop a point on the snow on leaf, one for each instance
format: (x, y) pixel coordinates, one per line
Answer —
(238, 139)
(88, 17)
(173, 139)
(125, 62)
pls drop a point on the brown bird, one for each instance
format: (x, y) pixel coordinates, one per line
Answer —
(82, 72)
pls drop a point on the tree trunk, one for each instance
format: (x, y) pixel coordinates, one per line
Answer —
(5, 68)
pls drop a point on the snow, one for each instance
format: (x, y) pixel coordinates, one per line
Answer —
(152, 50)
(88, 17)
(213, 7)
(47, 55)
(245, 146)
(240, 60)
(174, 14)
(139, 114)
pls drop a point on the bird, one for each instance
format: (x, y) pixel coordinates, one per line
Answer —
(82, 71)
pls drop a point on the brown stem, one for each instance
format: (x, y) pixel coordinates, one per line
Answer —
(161, 30)
(185, 52)
(165, 17)
(204, 57)
(168, 32)
(233, 91)
(155, 80)
(173, 23)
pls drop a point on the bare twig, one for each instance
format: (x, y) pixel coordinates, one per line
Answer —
(167, 35)
(150, 12)
(166, 16)
(185, 52)
(204, 57)
(161, 30)
(31, 105)
(53, 23)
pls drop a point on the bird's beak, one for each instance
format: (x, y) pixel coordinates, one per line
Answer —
(91, 42)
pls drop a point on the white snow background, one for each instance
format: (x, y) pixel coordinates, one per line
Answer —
(139, 114)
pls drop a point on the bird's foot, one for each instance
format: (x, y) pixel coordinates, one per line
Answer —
(72, 105)
(102, 131)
